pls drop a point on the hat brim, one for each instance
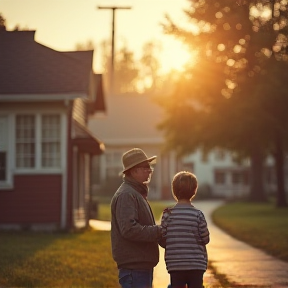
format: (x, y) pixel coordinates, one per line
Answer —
(152, 160)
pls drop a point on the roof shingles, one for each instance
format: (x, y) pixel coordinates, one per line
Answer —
(27, 67)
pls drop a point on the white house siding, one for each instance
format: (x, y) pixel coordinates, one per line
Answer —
(205, 168)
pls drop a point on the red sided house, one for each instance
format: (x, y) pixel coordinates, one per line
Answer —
(46, 97)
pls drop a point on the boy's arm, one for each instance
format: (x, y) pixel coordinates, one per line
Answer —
(164, 222)
(203, 229)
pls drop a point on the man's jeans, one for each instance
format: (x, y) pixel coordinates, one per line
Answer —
(135, 278)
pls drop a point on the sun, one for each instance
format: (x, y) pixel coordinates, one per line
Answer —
(174, 56)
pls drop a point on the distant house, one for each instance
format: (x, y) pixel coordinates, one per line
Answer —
(46, 149)
(131, 121)
(220, 176)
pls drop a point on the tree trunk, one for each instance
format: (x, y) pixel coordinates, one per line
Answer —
(279, 163)
(257, 193)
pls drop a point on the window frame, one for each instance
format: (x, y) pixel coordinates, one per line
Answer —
(220, 177)
(9, 121)
(51, 142)
(113, 164)
(7, 183)
(38, 149)
(22, 140)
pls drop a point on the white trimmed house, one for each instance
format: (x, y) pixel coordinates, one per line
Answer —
(46, 149)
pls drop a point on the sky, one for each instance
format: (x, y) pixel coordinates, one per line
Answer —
(61, 24)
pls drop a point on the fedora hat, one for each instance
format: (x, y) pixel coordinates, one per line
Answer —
(134, 157)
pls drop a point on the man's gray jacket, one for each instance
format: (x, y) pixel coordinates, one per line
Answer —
(134, 235)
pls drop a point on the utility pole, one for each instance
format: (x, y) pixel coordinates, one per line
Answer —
(113, 8)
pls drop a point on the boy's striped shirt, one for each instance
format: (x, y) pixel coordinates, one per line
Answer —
(186, 238)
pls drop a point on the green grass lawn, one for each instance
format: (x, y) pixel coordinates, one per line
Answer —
(261, 225)
(61, 260)
(57, 260)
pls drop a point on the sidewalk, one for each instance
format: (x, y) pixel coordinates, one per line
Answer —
(243, 265)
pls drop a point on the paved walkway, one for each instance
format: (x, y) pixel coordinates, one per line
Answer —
(242, 264)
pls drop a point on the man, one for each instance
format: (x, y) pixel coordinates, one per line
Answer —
(134, 235)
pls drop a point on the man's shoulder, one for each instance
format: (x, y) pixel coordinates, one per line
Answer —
(124, 187)
(125, 190)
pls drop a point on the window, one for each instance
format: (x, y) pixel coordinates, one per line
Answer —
(113, 158)
(113, 172)
(113, 164)
(220, 177)
(246, 177)
(237, 177)
(38, 139)
(50, 141)
(25, 141)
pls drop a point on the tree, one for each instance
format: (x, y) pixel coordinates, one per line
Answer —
(132, 75)
(89, 45)
(221, 41)
(2, 23)
(149, 68)
(126, 71)
(234, 48)
(273, 96)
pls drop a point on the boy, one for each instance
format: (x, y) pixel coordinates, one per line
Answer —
(185, 235)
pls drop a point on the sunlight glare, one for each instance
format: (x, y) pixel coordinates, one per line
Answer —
(175, 56)
(237, 48)
(230, 62)
(221, 47)
(261, 11)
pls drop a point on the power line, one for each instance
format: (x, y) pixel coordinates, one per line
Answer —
(113, 8)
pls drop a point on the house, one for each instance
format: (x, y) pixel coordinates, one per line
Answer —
(218, 175)
(46, 149)
(131, 121)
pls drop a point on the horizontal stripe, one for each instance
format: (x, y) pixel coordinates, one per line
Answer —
(186, 236)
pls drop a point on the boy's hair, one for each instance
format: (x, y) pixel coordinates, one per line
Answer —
(184, 185)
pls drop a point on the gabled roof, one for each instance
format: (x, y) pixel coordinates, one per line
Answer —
(27, 67)
(129, 119)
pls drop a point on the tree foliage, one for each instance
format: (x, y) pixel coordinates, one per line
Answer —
(229, 97)
(132, 75)
(2, 23)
